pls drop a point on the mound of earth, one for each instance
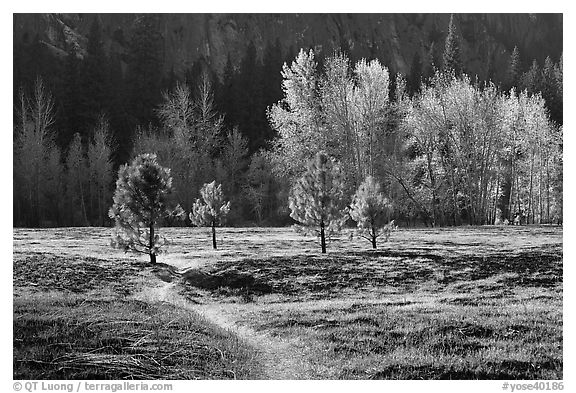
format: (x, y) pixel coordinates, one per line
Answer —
(228, 278)
(74, 274)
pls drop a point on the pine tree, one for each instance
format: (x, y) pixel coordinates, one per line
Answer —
(144, 74)
(317, 199)
(551, 90)
(119, 124)
(415, 76)
(514, 69)
(211, 210)
(429, 67)
(141, 202)
(532, 79)
(72, 99)
(228, 96)
(559, 79)
(371, 211)
(451, 58)
(95, 76)
(251, 110)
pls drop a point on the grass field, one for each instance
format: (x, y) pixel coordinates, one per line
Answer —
(454, 303)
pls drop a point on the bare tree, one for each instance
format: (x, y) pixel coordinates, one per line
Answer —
(100, 167)
(34, 140)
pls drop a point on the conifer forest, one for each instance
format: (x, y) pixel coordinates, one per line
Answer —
(288, 196)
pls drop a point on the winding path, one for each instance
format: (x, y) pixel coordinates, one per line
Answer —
(281, 357)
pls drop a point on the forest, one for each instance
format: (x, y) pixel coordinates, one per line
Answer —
(447, 148)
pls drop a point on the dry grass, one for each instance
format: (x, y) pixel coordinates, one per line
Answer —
(71, 337)
(77, 318)
(419, 337)
(454, 303)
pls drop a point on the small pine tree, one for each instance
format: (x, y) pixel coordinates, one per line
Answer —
(451, 59)
(532, 79)
(371, 210)
(317, 199)
(211, 210)
(140, 203)
(429, 66)
(514, 70)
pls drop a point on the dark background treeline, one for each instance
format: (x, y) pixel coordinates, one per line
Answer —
(109, 84)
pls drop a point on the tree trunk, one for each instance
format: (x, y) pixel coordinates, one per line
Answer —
(530, 193)
(100, 214)
(511, 198)
(152, 254)
(433, 186)
(82, 203)
(373, 242)
(547, 192)
(214, 234)
(454, 202)
(322, 237)
(496, 200)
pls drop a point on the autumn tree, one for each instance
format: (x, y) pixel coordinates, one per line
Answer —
(53, 183)
(34, 152)
(317, 199)
(371, 211)
(77, 180)
(297, 118)
(100, 167)
(211, 209)
(189, 138)
(260, 183)
(371, 95)
(231, 167)
(141, 202)
(424, 126)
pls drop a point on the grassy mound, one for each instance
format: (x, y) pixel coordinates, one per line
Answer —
(76, 338)
(81, 274)
(311, 277)
(74, 320)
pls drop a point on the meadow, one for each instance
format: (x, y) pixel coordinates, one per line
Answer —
(449, 303)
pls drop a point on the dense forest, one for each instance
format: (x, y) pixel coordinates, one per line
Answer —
(447, 147)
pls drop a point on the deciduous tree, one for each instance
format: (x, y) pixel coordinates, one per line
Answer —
(100, 167)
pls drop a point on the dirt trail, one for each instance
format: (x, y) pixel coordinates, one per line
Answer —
(282, 358)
